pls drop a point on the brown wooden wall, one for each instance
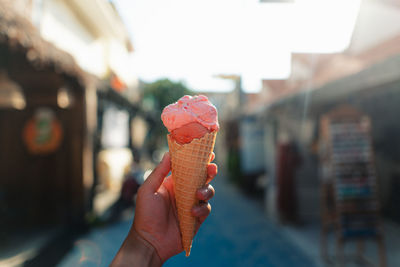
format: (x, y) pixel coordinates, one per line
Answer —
(41, 189)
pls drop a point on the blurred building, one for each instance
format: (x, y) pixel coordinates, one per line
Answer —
(64, 65)
(240, 140)
(91, 31)
(365, 76)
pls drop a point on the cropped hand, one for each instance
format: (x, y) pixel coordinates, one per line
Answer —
(156, 222)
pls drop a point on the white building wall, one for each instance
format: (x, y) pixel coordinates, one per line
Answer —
(96, 40)
(120, 62)
(63, 28)
(377, 22)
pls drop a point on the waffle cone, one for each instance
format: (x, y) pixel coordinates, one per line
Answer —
(189, 172)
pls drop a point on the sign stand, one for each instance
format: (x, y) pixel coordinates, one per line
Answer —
(349, 193)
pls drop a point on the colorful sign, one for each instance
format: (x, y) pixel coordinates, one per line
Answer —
(43, 133)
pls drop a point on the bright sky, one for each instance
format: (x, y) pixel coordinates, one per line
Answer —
(192, 41)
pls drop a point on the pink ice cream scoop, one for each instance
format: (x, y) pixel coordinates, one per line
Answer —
(190, 117)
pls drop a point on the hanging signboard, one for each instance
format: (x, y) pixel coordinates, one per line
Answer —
(43, 133)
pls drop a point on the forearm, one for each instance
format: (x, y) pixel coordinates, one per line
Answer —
(135, 251)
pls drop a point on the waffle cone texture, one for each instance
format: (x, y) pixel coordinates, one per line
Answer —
(189, 173)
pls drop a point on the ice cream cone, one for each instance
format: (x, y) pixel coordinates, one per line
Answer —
(189, 172)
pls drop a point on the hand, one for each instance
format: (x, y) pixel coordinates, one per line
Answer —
(155, 215)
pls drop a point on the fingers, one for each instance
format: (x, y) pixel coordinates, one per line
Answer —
(205, 193)
(202, 210)
(155, 179)
(212, 170)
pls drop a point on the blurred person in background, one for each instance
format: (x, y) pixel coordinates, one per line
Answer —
(288, 162)
(134, 178)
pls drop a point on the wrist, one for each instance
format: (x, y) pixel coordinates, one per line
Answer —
(136, 251)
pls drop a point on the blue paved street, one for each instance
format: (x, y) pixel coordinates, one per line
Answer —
(236, 234)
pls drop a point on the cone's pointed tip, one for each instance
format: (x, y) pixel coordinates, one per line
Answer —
(187, 253)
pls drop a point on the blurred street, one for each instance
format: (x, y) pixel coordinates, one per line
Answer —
(306, 108)
(237, 233)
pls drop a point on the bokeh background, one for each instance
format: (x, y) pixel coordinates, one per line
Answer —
(307, 92)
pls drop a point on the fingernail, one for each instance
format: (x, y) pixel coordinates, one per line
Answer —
(205, 192)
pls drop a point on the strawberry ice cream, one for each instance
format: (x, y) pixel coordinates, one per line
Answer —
(189, 118)
(188, 132)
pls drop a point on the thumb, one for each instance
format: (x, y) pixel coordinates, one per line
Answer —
(155, 179)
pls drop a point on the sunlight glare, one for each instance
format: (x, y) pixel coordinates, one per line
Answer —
(189, 41)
